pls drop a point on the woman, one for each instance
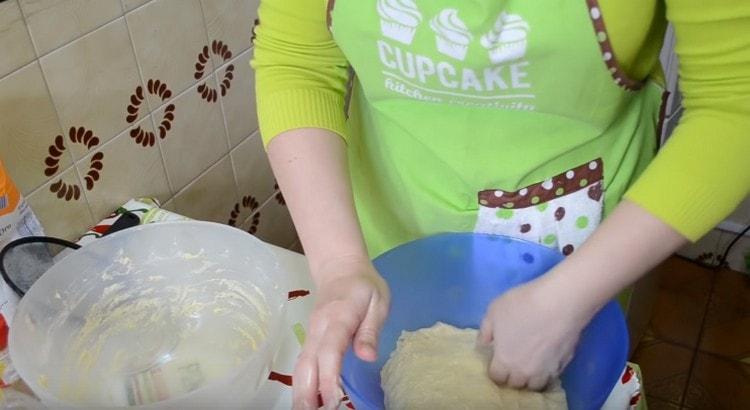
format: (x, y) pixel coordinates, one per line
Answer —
(529, 119)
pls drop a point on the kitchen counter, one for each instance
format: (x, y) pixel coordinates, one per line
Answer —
(276, 392)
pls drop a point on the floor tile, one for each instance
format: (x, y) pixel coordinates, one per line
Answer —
(659, 404)
(680, 302)
(727, 329)
(665, 368)
(718, 383)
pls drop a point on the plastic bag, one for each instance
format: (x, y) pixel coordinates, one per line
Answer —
(16, 220)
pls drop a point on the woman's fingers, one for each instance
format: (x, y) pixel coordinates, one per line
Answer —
(537, 383)
(499, 373)
(330, 354)
(485, 332)
(305, 391)
(305, 380)
(366, 338)
(517, 379)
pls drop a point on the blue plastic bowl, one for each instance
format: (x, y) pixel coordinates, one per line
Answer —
(452, 278)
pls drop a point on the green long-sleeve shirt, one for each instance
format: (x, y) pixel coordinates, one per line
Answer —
(697, 178)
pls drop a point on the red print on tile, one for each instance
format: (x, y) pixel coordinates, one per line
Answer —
(95, 166)
(65, 191)
(88, 139)
(253, 229)
(248, 202)
(157, 88)
(52, 161)
(279, 196)
(220, 49)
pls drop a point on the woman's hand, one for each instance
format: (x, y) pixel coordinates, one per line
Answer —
(351, 304)
(352, 299)
(533, 334)
(534, 328)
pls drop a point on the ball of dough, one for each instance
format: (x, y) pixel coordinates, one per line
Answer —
(440, 368)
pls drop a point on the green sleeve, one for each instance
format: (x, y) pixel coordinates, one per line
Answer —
(703, 172)
(300, 72)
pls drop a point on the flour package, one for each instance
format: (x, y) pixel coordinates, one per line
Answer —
(16, 220)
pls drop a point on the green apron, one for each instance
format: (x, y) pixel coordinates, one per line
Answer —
(507, 117)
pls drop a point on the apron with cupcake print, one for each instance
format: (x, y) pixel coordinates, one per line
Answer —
(506, 117)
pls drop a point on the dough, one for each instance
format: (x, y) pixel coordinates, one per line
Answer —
(440, 368)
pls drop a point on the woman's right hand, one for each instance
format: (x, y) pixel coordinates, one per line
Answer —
(352, 299)
(351, 305)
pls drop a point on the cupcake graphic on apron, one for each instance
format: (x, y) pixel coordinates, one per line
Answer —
(507, 39)
(399, 19)
(451, 34)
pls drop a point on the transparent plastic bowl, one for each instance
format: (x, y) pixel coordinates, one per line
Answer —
(452, 278)
(179, 315)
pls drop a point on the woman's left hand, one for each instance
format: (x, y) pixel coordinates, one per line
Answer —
(533, 331)
(534, 328)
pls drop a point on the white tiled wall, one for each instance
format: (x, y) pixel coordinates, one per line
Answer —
(86, 65)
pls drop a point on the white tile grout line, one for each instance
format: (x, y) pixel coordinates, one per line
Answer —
(260, 207)
(207, 77)
(224, 118)
(234, 166)
(216, 78)
(170, 184)
(72, 40)
(31, 38)
(76, 162)
(234, 173)
(201, 175)
(135, 8)
(214, 70)
(205, 27)
(85, 157)
(226, 127)
(172, 191)
(69, 152)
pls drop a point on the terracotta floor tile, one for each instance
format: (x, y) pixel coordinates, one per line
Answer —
(665, 368)
(727, 329)
(659, 404)
(718, 383)
(681, 274)
(681, 302)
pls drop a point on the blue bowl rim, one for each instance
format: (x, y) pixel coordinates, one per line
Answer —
(622, 324)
